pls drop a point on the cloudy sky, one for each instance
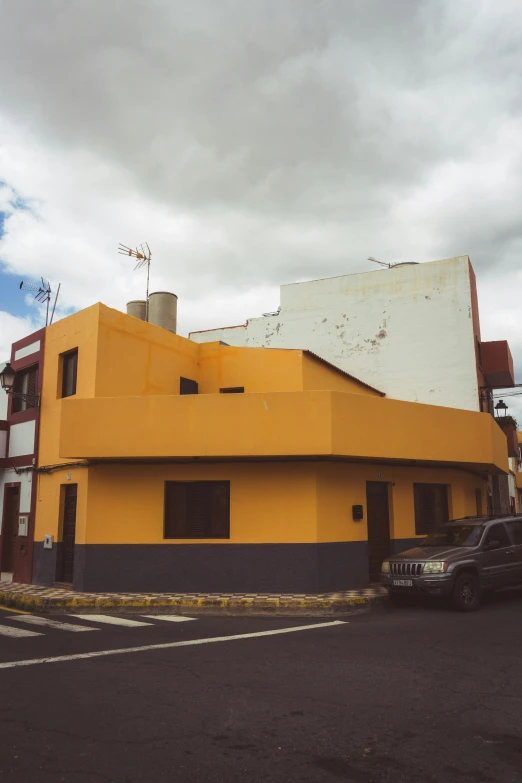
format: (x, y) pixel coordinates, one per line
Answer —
(256, 143)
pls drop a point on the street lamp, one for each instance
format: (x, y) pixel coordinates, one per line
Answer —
(501, 406)
(7, 379)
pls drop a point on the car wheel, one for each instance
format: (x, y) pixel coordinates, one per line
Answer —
(465, 595)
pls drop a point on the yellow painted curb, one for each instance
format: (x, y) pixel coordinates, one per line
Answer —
(182, 605)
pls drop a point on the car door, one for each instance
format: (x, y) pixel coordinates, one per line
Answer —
(499, 564)
(515, 529)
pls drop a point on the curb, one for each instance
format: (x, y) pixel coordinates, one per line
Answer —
(185, 605)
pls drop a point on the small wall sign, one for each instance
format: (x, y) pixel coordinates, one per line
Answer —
(357, 513)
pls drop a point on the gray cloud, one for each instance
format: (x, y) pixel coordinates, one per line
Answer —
(260, 142)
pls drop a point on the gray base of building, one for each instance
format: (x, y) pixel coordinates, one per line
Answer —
(213, 568)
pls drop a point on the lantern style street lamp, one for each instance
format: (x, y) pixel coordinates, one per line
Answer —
(7, 379)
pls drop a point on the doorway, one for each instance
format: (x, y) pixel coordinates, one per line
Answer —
(378, 517)
(10, 528)
(65, 570)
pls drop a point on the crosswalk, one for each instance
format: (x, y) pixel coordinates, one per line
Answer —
(90, 622)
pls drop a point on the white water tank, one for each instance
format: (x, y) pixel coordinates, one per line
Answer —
(138, 309)
(163, 310)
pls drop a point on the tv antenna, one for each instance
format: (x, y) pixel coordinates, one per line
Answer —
(143, 255)
(382, 263)
(42, 294)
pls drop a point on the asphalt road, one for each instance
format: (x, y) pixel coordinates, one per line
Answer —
(417, 694)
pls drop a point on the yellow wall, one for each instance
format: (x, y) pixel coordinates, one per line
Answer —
(79, 331)
(256, 369)
(342, 485)
(285, 502)
(125, 504)
(318, 375)
(138, 359)
(309, 423)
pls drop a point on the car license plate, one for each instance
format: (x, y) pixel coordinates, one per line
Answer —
(402, 582)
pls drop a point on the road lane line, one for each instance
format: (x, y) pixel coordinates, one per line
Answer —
(34, 620)
(18, 632)
(168, 645)
(107, 618)
(169, 618)
(10, 609)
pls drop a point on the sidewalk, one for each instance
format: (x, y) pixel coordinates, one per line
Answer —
(32, 598)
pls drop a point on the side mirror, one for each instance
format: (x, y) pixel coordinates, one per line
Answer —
(494, 543)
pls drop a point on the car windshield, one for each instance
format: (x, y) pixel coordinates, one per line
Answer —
(454, 535)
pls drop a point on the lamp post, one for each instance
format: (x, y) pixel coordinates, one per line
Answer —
(7, 379)
(501, 406)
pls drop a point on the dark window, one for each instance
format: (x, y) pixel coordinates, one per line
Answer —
(478, 501)
(431, 507)
(497, 533)
(69, 373)
(233, 390)
(197, 509)
(25, 382)
(516, 531)
(186, 386)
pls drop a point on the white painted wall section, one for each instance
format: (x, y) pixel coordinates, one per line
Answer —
(21, 353)
(9, 476)
(408, 331)
(21, 439)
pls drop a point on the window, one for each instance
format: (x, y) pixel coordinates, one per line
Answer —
(233, 390)
(516, 531)
(186, 386)
(497, 533)
(478, 501)
(197, 509)
(25, 382)
(69, 372)
(431, 507)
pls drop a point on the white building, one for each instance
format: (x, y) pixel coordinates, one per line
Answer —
(412, 330)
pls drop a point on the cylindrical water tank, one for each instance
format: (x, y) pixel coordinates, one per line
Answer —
(138, 309)
(163, 310)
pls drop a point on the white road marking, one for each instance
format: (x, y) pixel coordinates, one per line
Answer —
(34, 620)
(18, 632)
(168, 645)
(110, 620)
(169, 618)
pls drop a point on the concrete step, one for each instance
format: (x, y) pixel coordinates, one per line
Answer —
(5, 576)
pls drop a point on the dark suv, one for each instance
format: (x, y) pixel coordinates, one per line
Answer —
(461, 560)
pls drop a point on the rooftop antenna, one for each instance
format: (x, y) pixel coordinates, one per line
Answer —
(143, 254)
(382, 263)
(42, 294)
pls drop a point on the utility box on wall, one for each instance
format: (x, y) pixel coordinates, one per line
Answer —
(357, 513)
(23, 524)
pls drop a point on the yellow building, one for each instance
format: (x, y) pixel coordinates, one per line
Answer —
(167, 465)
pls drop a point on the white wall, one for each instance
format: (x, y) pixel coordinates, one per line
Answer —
(26, 480)
(21, 439)
(407, 331)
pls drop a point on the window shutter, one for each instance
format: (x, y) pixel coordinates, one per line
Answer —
(31, 388)
(197, 509)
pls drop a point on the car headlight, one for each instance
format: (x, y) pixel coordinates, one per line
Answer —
(385, 568)
(435, 567)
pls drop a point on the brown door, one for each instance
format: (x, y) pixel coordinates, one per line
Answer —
(66, 569)
(10, 528)
(377, 513)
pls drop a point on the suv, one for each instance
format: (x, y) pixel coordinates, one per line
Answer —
(460, 560)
